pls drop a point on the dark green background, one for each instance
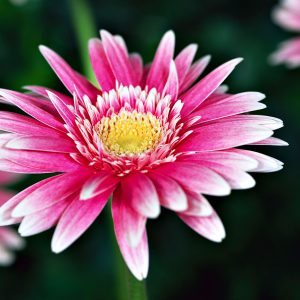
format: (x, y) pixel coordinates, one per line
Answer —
(259, 257)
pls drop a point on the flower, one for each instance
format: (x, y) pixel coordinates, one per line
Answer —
(287, 15)
(149, 137)
(9, 239)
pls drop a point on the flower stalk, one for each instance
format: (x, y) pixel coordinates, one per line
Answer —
(128, 287)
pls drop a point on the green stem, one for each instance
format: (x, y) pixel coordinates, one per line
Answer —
(85, 29)
(129, 288)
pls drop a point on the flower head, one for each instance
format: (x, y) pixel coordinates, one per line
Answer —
(148, 135)
(287, 15)
(9, 239)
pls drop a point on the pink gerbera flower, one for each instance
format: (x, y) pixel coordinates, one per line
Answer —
(287, 15)
(147, 136)
(9, 239)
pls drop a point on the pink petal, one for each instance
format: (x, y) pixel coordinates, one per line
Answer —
(118, 59)
(195, 71)
(62, 109)
(8, 166)
(43, 162)
(136, 258)
(42, 220)
(76, 219)
(71, 79)
(58, 189)
(229, 106)
(288, 52)
(42, 143)
(288, 18)
(13, 122)
(233, 159)
(157, 76)
(43, 91)
(98, 184)
(101, 66)
(223, 134)
(137, 67)
(265, 163)
(171, 87)
(271, 141)
(195, 178)
(197, 206)
(184, 60)
(24, 102)
(205, 87)
(142, 194)
(7, 208)
(236, 178)
(11, 239)
(171, 195)
(210, 227)
(127, 219)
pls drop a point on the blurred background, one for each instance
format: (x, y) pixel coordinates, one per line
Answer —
(259, 259)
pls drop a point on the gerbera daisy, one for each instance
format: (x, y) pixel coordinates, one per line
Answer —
(148, 136)
(9, 239)
(287, 15)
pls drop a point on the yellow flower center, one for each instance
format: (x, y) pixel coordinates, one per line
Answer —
(129, 133)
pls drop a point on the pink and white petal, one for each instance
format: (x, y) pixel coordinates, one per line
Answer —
(172, 85)
(183, 61)
(195, 178)
(210, 227)
(137, 67)
(287, 18)
(42, 143)
(197, 205)
(127, 219)
(265, 121)
(142, 194)
(195, 71)
(101, 66)
(206, 86)
(229, 106)
(170, 193)
(7, 208)
(42, 220)
(136, 258)
(76, 219)
(9, 166)
(236, 178)
(271, 141)
(288, 53)
(43, 162)
(43, 91)
(11, 239)
(265, 163)
(98, 184)
(56, 190)
(233, 159)
(25, 103)
(63, 110)
(158, 73)
(224, 134)
(16, 123)
(118, 59)
(70, 78)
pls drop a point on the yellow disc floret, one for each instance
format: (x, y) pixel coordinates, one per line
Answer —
(129, 133)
